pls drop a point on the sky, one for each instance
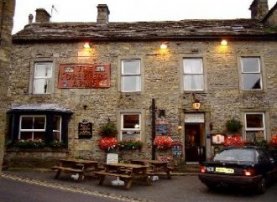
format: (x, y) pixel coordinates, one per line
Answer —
(133, 10)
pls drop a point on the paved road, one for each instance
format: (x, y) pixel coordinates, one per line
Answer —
(21, 185)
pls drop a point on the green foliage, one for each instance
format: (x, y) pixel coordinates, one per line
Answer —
(130, 145)
(29, 144)
(108, 130)
(57, 144)
(233, 125)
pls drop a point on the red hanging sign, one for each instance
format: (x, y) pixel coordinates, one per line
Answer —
(84, 76)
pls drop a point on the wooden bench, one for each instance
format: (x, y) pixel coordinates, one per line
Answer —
(59, 169)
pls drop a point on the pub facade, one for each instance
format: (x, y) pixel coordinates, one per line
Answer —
(181, 80)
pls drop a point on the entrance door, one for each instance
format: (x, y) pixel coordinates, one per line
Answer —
(194, 140)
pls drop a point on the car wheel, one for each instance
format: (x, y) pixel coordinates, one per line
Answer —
(261, 187)
(211, 186)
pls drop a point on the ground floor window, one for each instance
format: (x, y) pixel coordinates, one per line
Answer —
(32, 127)
(130, 126)
(36, 124)
(254, 127)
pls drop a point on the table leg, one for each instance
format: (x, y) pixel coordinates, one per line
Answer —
(102, 178)
(58, 174)
(128, 183)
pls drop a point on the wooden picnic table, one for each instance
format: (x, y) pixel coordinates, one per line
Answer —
(126, 172)
(76, 166)
(157, 168)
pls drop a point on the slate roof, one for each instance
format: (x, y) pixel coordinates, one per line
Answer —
(238, 29)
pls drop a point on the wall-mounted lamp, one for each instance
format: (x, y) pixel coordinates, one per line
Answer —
(196, 103)
(87, 45)
(224, 42)
(163, 46)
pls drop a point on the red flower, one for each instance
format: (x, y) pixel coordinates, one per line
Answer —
(163, 142)
(274, 140)
(107, 143)
(233, 140)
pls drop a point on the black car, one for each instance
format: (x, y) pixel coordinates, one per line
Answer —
(250, 167)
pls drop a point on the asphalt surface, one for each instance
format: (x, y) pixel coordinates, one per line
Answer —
(40, 185)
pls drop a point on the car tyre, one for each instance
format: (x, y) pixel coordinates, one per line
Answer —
(261, 187)
(211, 186)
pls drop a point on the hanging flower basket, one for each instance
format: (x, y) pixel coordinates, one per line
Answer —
(163, 142)
(108, 130)
(273, 141)
(233, 140)
(108, 143)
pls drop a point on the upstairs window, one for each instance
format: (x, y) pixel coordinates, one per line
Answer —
(130, 76)
(130, 126)
(251, 73)
(42, 82)
(193, 74)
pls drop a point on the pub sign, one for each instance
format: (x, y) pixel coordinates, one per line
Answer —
(84, 76)
(85, 129)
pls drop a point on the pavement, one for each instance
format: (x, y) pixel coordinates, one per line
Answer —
(158, 191)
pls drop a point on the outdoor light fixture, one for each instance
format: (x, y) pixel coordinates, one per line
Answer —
(224, 42)
(196, 103)
(87, 45)
(163, 46)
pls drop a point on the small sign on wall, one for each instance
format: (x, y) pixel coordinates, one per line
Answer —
(85, 129)
(218, 139)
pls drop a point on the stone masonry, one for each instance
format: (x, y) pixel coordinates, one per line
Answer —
(6, 20)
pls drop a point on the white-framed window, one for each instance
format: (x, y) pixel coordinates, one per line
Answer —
(130, 126)
(32, 127)
(42, 81)
(255, 126)
(251, 73)
(130, 75)
(57, 128)
(193, 74)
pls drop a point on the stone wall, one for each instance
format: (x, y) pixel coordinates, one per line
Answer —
(162, 80)
(6, 19)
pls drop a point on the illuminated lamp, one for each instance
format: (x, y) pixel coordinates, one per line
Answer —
(163, 46)
(87, 45)
(196, 103)
(224, 42)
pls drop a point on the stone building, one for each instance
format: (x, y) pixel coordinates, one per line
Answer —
(6, 24)
(176, 78)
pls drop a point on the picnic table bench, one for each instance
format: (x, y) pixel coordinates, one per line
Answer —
(126, 172)
(75, 166)
(156, 168)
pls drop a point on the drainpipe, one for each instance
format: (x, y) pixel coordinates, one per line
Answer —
(153, 110)
(2, 19)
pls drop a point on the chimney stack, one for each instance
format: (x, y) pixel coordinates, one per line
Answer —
(102, 14)
(42, 15)
(259, 9)
(30, 18)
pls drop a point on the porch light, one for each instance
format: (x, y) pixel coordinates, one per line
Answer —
(163, 46)
(87, 45)
(224, 42)
(196, 103)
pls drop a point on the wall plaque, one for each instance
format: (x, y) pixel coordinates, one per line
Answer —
(85, 129)
(84, 76)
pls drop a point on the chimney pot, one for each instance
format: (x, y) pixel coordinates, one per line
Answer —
(102, 14)
(30, 18)
(259, 9)
(42, 15)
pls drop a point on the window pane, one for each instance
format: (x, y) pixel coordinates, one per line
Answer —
(26, 135)
(131, 121)
(193, 66)
(43, 70)
(131, 135)
(131, 67)
(193, 82)
(39, 135)
(251, 65)
(57, 123)
(27, 123)
(251, 81)
(254, 121)
(253, 136)
(130, 83)
(39, 123)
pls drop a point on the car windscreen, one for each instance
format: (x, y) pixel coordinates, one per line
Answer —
(237, 155)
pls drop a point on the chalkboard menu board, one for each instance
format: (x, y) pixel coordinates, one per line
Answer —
(85, 129)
